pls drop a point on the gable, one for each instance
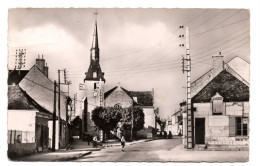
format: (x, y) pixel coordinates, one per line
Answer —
(228, 86)
(118, 96)
(41, 89)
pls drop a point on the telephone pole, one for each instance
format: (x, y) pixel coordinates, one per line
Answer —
(20, 59)
(59, 121)
(189, 141)
(54, 119)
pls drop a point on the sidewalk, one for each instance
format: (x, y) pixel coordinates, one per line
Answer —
(61, 155)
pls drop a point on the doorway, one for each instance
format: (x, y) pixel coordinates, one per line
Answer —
(199, 130)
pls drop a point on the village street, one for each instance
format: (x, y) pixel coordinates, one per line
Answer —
(162, 150)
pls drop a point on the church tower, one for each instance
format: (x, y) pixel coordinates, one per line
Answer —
(94, 80)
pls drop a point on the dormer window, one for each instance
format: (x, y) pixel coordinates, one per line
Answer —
(218, 106)
(135, 99)
(94, 74)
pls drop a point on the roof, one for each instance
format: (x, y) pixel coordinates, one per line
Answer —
(227, 85)
(20, 100)
(236, 66)
(144, 98)
(41, 89)
(15, 76)
(17, 99)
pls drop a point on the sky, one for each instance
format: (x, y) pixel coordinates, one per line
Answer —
(139, 48)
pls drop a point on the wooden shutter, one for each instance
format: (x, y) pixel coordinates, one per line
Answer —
(232, 126)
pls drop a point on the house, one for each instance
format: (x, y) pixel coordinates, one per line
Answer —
(122, 98)
(34, 86)
(220, 104)
(177, 123)
(27, 123)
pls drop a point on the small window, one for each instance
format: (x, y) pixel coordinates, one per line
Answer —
(238, 126)
(241, 126)
(94, 74)
(95, 85)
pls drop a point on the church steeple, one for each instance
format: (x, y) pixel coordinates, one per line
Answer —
(94, 71)
(94, 51)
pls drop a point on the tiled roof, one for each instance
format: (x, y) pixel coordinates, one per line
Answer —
(20, 100)
(17, 99)
(227, 85)
(109, 92)
(14, 76)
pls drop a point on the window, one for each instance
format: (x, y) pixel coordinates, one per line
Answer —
(238, 126)
(118, 106)
(218, 106)
(241, 126)
(94, 74)
(95, 85)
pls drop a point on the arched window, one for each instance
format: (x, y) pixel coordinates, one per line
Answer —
(118, 106)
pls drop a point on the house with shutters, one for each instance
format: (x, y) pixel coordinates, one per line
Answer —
(220, 104)
(30, 109)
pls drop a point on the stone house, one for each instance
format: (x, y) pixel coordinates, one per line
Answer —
(220, 104)
(122, 98)
(177, 120)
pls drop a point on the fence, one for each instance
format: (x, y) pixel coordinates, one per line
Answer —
(16, 136)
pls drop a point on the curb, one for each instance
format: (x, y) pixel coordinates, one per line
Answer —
(75, 157)
(87, 149)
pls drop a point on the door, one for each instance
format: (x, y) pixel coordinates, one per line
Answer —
(199, 130)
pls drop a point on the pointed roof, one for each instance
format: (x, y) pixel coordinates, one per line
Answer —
(144, 98)
(95, 37)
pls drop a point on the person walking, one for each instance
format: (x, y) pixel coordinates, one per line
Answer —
(95, 142)
(123, 143)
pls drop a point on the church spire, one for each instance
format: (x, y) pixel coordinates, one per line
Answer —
(94, 71)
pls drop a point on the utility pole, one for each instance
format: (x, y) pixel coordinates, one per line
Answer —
(59, 121)
(20, 57)
(54, 119)
(188, 91)
(132, 121)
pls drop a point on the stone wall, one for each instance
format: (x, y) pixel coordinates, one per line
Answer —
(217, 126)
(118, 96)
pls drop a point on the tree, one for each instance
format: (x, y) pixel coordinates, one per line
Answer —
(138, 118)
(106, 118)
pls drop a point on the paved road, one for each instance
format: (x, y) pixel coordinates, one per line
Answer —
(164, 150)
(146, 151)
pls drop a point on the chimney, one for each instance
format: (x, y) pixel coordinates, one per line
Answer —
(218, 64)
(40, 63)
(46, 70)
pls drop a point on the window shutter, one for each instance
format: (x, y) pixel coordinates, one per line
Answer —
(232, 126)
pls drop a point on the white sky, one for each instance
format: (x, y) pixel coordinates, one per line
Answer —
(138, 47)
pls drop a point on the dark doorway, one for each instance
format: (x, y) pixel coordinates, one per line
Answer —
(199, 130)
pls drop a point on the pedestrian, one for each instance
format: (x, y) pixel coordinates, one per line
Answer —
(123, 143)
(95, 142)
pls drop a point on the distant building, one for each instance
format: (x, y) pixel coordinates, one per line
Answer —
(120, 97)
(220, 104)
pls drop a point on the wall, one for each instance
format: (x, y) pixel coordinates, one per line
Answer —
(19, 149)
(23, 120)
(118, 96)
(217, 126)
(149, 117)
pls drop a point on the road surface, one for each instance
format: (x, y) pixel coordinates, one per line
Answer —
(163, 150)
